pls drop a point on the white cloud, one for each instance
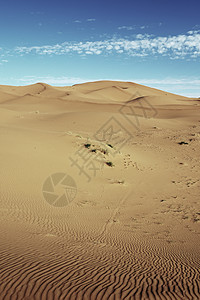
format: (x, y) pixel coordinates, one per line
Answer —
(173, 81)
(58, 81)
(134, 27)
(189, 87)
(91, 20)
(126, 27)
(3, 61)
(175, 47)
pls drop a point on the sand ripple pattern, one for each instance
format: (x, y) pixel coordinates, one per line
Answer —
(97, 270)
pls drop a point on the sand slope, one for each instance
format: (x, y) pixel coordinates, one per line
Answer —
(132, 230)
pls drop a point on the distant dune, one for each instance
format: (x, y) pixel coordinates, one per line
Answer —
(99, 192)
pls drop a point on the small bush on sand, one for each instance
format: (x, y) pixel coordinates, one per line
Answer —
(87, 146)
(109, 163)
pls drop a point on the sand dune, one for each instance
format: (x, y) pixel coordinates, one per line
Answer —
(99, 192)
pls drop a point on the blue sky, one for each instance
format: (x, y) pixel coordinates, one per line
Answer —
(155, 43)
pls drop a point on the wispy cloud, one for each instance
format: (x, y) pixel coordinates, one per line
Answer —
(91, 20)
(52, 80)
(172, 81)
(175, 47)
(126, 27)
(134, 27)
(3, 61)
(188, 86)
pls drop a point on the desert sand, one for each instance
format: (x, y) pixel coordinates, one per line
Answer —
(99, 192)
